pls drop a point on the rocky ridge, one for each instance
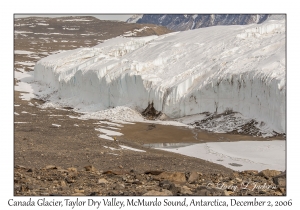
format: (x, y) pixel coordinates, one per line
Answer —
(183, 22)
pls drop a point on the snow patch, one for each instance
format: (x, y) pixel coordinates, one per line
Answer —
(242, 155)
(131, 148)
(108, 132)
(23, 52)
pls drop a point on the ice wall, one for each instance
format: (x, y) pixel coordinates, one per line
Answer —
(241, 68)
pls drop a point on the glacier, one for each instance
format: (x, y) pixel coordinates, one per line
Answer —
(214, 69)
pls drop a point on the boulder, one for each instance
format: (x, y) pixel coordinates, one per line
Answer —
(269, 173)
(178, 177)
(158, 193)
(194, 176)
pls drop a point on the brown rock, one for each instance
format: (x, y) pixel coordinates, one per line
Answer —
(78, 191)
(20, 167)
(172, 176)
(253, 172)
(50, 167)
(78, 194)
(158, 193)
(239, 180)
(282, 190)
(227, 193)
(185, 190)
(90, 168)
(63, 184)
(280, 180)
(72, 169)
(102, 181)
(194, 176)
(269, 173)
(153, 172)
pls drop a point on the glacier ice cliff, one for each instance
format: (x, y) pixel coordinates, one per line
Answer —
(239, 68)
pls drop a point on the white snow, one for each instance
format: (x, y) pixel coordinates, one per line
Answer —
(26, 63)
(125, 147)
(43, 24)
(112, 154)
(119, 113)
(23, 32)
(22, 52)
(134, 32)
(25, 85)
(16, 113)
(212, 69)
(105, 137)
(56, 125)
(134, 18)
(109, 132)
(131, 148)
(254, 155)
(111, 148)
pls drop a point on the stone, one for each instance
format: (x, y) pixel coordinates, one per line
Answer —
(204, 191)
(62, 171)
(77, 194)
(72, 169)
(269, 173)
(20, 167)
(118, 186)
(238, 180)
(172, 176)
(282, 190)
(115, 172)
(153, 172)
(63, 184)
(90, 168)
(78, 191)
(185, 190)
(227, 193)
(158, 193)
(102, 181)
(252, 172)
(48, 167)
(137, 182)
(70, 180)
(280, 180)
(165, 184)
(194, 176)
